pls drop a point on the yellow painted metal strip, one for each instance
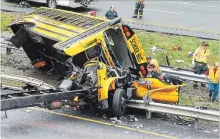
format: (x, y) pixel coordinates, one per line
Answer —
(104, 123)
(54, 29)
(49, 34)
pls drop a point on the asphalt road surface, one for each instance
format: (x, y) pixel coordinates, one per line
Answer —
(188, 14)
(43, 125)
(39, 123)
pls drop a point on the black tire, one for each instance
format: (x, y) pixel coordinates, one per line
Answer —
(118, 104)
(52, 3)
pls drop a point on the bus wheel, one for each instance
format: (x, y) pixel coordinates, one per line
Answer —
(119, 102)
(52, 3)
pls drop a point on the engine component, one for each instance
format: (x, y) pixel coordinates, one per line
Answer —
(66, 85)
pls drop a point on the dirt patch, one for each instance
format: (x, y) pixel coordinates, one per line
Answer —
(196, 96)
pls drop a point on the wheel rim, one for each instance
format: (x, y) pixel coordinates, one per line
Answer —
(52, 3)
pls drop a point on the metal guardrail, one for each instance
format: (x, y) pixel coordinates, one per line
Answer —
(205, 114)
(150, 27)
(184, 74)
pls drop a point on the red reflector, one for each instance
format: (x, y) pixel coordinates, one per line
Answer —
(126, 29)
(142, 68)
(144, 72)
(128, 34)
(40, 64)
(93, 13)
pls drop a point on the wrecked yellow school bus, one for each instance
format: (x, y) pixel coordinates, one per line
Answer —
(90, 52)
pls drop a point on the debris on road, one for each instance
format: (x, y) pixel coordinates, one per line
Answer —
(206, 131)
(141, 126)
(28, 111)
(115, 120)
(104, 116)
(180, 123)
(138, 126)
(122, 118)
(132, 118)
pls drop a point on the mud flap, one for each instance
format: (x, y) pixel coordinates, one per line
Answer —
(20, 37)
(30, 42)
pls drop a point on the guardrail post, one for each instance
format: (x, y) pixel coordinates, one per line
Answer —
(8, 50)
(5, 115)
(148, 114)
(196, 124)
(168, 61)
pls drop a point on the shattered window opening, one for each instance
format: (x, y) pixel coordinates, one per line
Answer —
(118, 48)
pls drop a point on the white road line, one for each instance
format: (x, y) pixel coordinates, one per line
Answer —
(161, 11)
(191, 4)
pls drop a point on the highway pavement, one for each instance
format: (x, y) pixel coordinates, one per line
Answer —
(36, 123)
(30, 123)
(187, 14)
